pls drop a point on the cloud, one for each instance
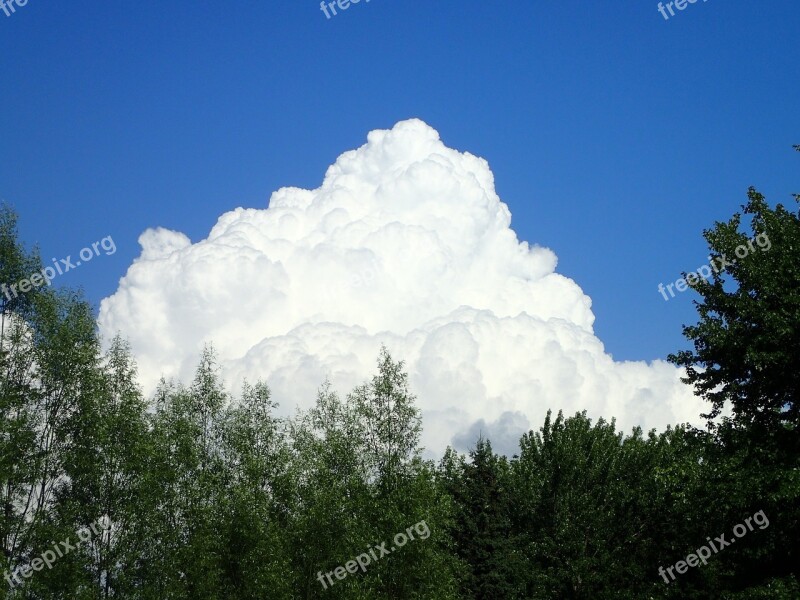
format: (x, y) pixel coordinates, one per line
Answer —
(407, 244)
(504, 434)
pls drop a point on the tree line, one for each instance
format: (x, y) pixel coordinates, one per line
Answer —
(207, 496)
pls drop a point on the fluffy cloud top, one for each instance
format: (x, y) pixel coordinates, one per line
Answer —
(405, 244)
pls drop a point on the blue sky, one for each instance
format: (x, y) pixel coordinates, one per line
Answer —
(614, 136)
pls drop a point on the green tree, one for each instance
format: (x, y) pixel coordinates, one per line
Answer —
(745, 364)
(402, 486)
(49, 371)
(595, 510)
(258, 504)
(482, 531)
(186, 559)
(329, 525)
(104, 468)
(747, 342)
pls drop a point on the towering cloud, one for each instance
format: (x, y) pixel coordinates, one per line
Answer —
(405, 244)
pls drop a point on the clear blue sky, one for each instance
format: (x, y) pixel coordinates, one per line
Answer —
(615, 136)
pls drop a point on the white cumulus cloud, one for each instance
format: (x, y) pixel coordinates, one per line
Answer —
(406, 244)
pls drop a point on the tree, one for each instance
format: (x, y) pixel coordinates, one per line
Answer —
(104, 468)
(482, 530)
(389, 422)
(332, 491)
(49, 371)
(596, 511)
(747, 342)
(361, 483)
(187, 472)
(258, 503)
(746, 364)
